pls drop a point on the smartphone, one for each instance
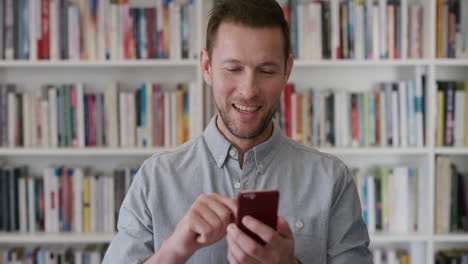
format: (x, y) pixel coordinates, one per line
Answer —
(261, 205)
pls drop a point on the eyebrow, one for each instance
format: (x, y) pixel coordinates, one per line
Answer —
(267, 63)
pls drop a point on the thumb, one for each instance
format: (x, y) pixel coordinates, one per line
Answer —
(283, 227)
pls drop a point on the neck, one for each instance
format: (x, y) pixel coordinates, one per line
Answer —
(241, 144)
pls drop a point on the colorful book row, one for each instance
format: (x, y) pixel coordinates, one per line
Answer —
(393, 115)
(450, 256)
(391, 256)
(43, 255)
(65, 115)
(97, 30)
(390, 199)
(451, 196)
(452, 29)
(62, 199)
(452, 114)
(349, 29)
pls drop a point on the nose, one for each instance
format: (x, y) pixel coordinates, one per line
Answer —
(249, 87)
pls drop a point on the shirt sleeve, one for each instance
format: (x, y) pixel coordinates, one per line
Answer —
(348, 239)
(134, 240)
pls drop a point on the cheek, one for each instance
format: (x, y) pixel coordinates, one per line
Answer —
(272, 90)
(222, 88)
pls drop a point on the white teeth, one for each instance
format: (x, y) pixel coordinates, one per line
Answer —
(246, 108)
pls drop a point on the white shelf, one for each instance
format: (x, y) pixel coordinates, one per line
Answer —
(150, 151)
(463, 238)
(376, 151)
(108, 64)
(73, 238)
(452, 151)
(81, 152)
(380, 238)
(451, 62)
(353, 63)
(55, 238)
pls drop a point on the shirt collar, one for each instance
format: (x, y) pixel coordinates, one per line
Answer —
(219, 146)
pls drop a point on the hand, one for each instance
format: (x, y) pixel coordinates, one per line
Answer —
(279, 246)
(204, 224)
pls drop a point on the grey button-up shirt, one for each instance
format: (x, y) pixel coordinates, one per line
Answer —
(318, 198)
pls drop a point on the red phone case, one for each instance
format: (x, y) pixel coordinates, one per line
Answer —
(262, 205)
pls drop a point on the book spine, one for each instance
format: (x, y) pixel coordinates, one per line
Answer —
(396, 132)
(22, 203)
(127, 30)
(2, 27)
(391, 30)
(12, 116)
(366, 119)
(123, 120)
(403, 95)
(9, 30)
(86, 204)
(184, 31)
(142, 37)
(149, 31)
(335, 29)
(77, 200)
(54, 29)
(45, 29)
(167, 120)
(404, 29)
(449, 113)
(411, 98)
(179, 115)
(383, 29)
(376, 33)
(149, 114)
(31, 205)
(466, 119)
(440, 113)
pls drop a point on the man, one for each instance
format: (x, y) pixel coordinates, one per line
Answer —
(180, 207)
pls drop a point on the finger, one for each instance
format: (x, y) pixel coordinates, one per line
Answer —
(210, 217)
(222, 211)
(283, 227)
(228, 202)
(265, 232)
(200, 227)
(238, 253)
(244, 243)
(231, 259)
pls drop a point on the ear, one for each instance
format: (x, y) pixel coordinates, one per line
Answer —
(205, 66)
(289, 66)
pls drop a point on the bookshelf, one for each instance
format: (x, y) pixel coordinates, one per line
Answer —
(338, 74)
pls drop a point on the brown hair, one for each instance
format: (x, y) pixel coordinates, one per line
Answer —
(253, 13)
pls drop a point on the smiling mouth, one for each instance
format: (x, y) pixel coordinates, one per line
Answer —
(246, 109)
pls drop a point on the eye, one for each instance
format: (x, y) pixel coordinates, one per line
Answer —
(234, 69)
(268, 72)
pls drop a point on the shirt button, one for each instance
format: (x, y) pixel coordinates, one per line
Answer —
(299, 224)
(232, 153)
(237, 185)
(261, 165)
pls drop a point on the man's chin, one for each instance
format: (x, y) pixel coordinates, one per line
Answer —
(246, 133)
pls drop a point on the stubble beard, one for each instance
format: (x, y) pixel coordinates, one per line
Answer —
(229, 124)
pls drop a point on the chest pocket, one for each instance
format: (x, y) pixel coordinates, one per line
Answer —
(310, 243)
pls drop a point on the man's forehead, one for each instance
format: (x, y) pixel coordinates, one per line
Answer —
(236, 43)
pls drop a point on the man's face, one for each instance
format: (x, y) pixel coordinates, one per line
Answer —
(247, 72)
